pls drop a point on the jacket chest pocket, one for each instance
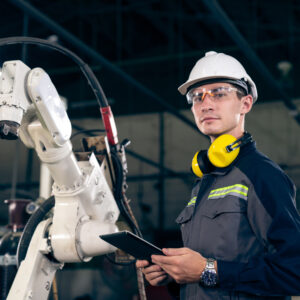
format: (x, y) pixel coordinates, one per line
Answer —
(184, 220)
(228, 205)
(222, 222)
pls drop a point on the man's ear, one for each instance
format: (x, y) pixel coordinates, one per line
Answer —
(247, 103)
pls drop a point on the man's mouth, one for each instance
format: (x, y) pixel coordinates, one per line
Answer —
(208, 119)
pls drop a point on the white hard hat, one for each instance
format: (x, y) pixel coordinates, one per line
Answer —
(214, 67)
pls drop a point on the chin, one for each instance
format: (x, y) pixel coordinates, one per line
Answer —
(212, 128)
(215, 131)
(211, 131)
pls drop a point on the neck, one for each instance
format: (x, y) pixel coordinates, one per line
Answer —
(237, 134)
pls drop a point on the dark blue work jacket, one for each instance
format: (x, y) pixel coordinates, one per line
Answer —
(245, 217)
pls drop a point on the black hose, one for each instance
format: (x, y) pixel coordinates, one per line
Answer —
(87, 71)
(119, 193)
(8, 270)
(30, 227)
(7, 275)
(84, 131)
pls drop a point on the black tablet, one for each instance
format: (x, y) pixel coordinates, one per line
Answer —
(132, 244)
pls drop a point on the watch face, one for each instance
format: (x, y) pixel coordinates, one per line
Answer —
(209, 278)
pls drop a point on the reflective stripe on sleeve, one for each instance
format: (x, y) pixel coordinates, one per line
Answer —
(237, 190)
(192, 201)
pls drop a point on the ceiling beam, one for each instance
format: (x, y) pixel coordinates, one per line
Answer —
(169, 57)
(232, 31)
(36, 14)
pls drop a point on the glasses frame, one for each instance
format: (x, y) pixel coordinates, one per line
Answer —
(210, 92)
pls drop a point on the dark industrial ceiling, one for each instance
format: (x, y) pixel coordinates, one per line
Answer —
(155, 43)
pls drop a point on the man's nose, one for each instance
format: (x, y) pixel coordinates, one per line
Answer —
(206, 102)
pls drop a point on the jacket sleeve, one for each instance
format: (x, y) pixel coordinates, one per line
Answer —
(276, 223)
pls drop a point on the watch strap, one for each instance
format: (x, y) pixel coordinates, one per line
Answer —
(209, 277)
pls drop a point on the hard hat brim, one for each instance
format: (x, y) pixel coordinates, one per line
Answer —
(183, 89)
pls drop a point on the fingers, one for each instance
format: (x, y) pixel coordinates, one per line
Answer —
(175, 251)
(163, 260)
(172, 256)
(161, 280)
(147, 268)
(155, 275)
(151, 269)
(142, 263)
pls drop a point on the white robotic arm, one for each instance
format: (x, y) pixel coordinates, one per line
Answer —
(84, 204)
(13, 99)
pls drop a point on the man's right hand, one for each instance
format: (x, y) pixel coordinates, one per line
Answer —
(154, 274)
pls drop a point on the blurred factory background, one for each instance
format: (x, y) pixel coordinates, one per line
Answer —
(141, 51)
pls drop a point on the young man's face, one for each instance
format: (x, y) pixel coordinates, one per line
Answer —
(224, 114)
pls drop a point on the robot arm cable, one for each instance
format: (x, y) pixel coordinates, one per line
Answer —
(30, 227)
(120, 197)
(107, 116)
(86, 70)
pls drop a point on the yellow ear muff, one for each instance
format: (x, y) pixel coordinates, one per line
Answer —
(195, 166)
(218, 154)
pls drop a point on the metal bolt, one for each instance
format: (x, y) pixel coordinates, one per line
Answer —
(29, 295)
(110, 216)
(102, 194)
(99, 198)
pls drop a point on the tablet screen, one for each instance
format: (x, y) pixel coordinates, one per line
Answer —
(132, 244)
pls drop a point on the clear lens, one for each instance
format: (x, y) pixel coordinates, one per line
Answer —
(197, 94)
(189, 97)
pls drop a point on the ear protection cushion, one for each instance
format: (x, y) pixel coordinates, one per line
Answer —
(201, 164)
(218, 154)
(195, 166)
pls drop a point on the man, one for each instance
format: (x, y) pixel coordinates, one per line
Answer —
(241, 230)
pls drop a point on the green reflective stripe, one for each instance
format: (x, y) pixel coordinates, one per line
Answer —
(230, 187)
(230, 191)
(237, 190)
(227, 194)
(192, 201)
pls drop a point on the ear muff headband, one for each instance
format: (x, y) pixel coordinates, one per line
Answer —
(221, 153)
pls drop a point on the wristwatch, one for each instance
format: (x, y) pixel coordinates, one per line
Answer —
(209, 277)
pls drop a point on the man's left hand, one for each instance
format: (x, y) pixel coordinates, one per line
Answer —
(182, 264)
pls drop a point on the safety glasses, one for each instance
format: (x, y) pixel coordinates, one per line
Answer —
(215, 94)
